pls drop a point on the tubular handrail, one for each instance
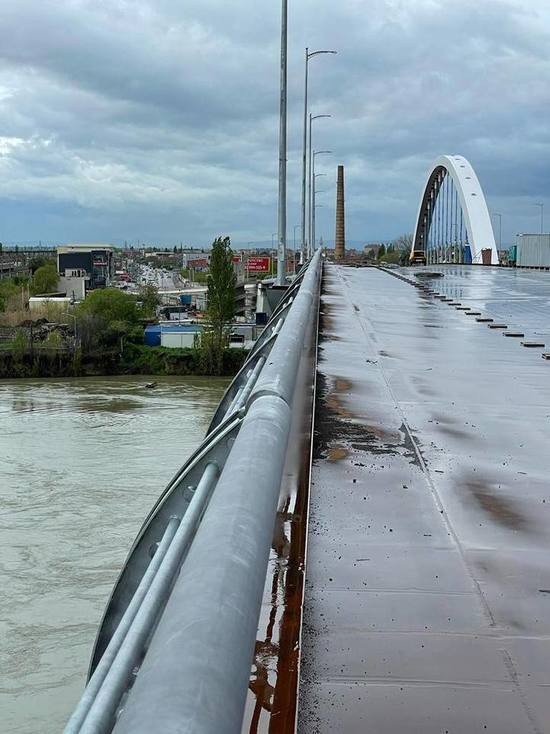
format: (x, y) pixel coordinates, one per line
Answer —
(189, 617)
(97, 679)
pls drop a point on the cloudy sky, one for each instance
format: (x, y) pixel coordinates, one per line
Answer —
(157, 120)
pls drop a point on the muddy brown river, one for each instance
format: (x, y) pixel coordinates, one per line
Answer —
(81, 463)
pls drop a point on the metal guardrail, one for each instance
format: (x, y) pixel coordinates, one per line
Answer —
(175, 646)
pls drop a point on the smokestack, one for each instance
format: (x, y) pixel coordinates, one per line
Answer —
(340, 241)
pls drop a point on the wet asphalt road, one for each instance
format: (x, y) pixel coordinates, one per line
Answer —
(427, 602)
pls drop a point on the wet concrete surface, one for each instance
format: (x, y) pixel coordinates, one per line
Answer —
(517, 297)
(427, 598)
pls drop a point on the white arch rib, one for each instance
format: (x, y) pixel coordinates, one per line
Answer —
(472, 200)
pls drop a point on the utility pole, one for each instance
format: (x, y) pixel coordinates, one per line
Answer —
(314, 205)
(281, 250)
(304, 148)
(314, 176)
(310, 182)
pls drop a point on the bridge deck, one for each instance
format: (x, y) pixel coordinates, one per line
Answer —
(427, 603)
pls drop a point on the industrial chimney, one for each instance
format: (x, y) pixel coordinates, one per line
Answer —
(340, 241)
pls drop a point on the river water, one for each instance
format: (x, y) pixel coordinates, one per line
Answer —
(81, 463)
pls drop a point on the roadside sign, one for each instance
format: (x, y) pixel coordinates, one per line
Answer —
(258, 264)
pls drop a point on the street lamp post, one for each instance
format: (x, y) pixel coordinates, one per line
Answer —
(315, 206)
(310, 180)
(313, 177)
(541, 217)
(309, 55)
(281, 220)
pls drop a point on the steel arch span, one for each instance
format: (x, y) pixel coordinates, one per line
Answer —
(453, 222)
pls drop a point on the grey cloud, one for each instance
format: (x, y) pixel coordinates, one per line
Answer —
(159, 118)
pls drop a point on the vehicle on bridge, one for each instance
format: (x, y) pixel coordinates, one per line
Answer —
(417, 257)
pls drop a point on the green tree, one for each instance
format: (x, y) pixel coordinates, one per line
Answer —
(403, 245)
(45, 279)
(38, 261)
(221, 283)
(8, 294)
(109, 304)
(381, 251)
(148, 296)
(221, 307)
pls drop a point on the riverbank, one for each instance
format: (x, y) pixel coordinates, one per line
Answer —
(136, 359)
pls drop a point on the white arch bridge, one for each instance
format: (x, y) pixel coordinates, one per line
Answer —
(453, 223)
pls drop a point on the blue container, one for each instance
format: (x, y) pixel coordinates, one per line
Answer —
(467, 255)
(151, 336)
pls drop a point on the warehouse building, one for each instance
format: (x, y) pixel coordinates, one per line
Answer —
(531, 251)
(94, 263)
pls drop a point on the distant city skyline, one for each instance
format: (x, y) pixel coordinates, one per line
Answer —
(156, 121)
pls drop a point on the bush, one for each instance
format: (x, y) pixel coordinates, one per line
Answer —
(144, 360)
(110, 304)
(10, 295)
(391, 257)
(20, 346)
(45, 279)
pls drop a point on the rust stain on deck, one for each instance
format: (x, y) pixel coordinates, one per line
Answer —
(337, 453)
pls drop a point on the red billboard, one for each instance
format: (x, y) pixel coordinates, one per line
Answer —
(201, 264)
(258, 264)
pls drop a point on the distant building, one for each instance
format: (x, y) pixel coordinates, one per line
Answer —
(40, 302)
(93, 262)
(371, 250)
(74, 285)
(531, 251)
